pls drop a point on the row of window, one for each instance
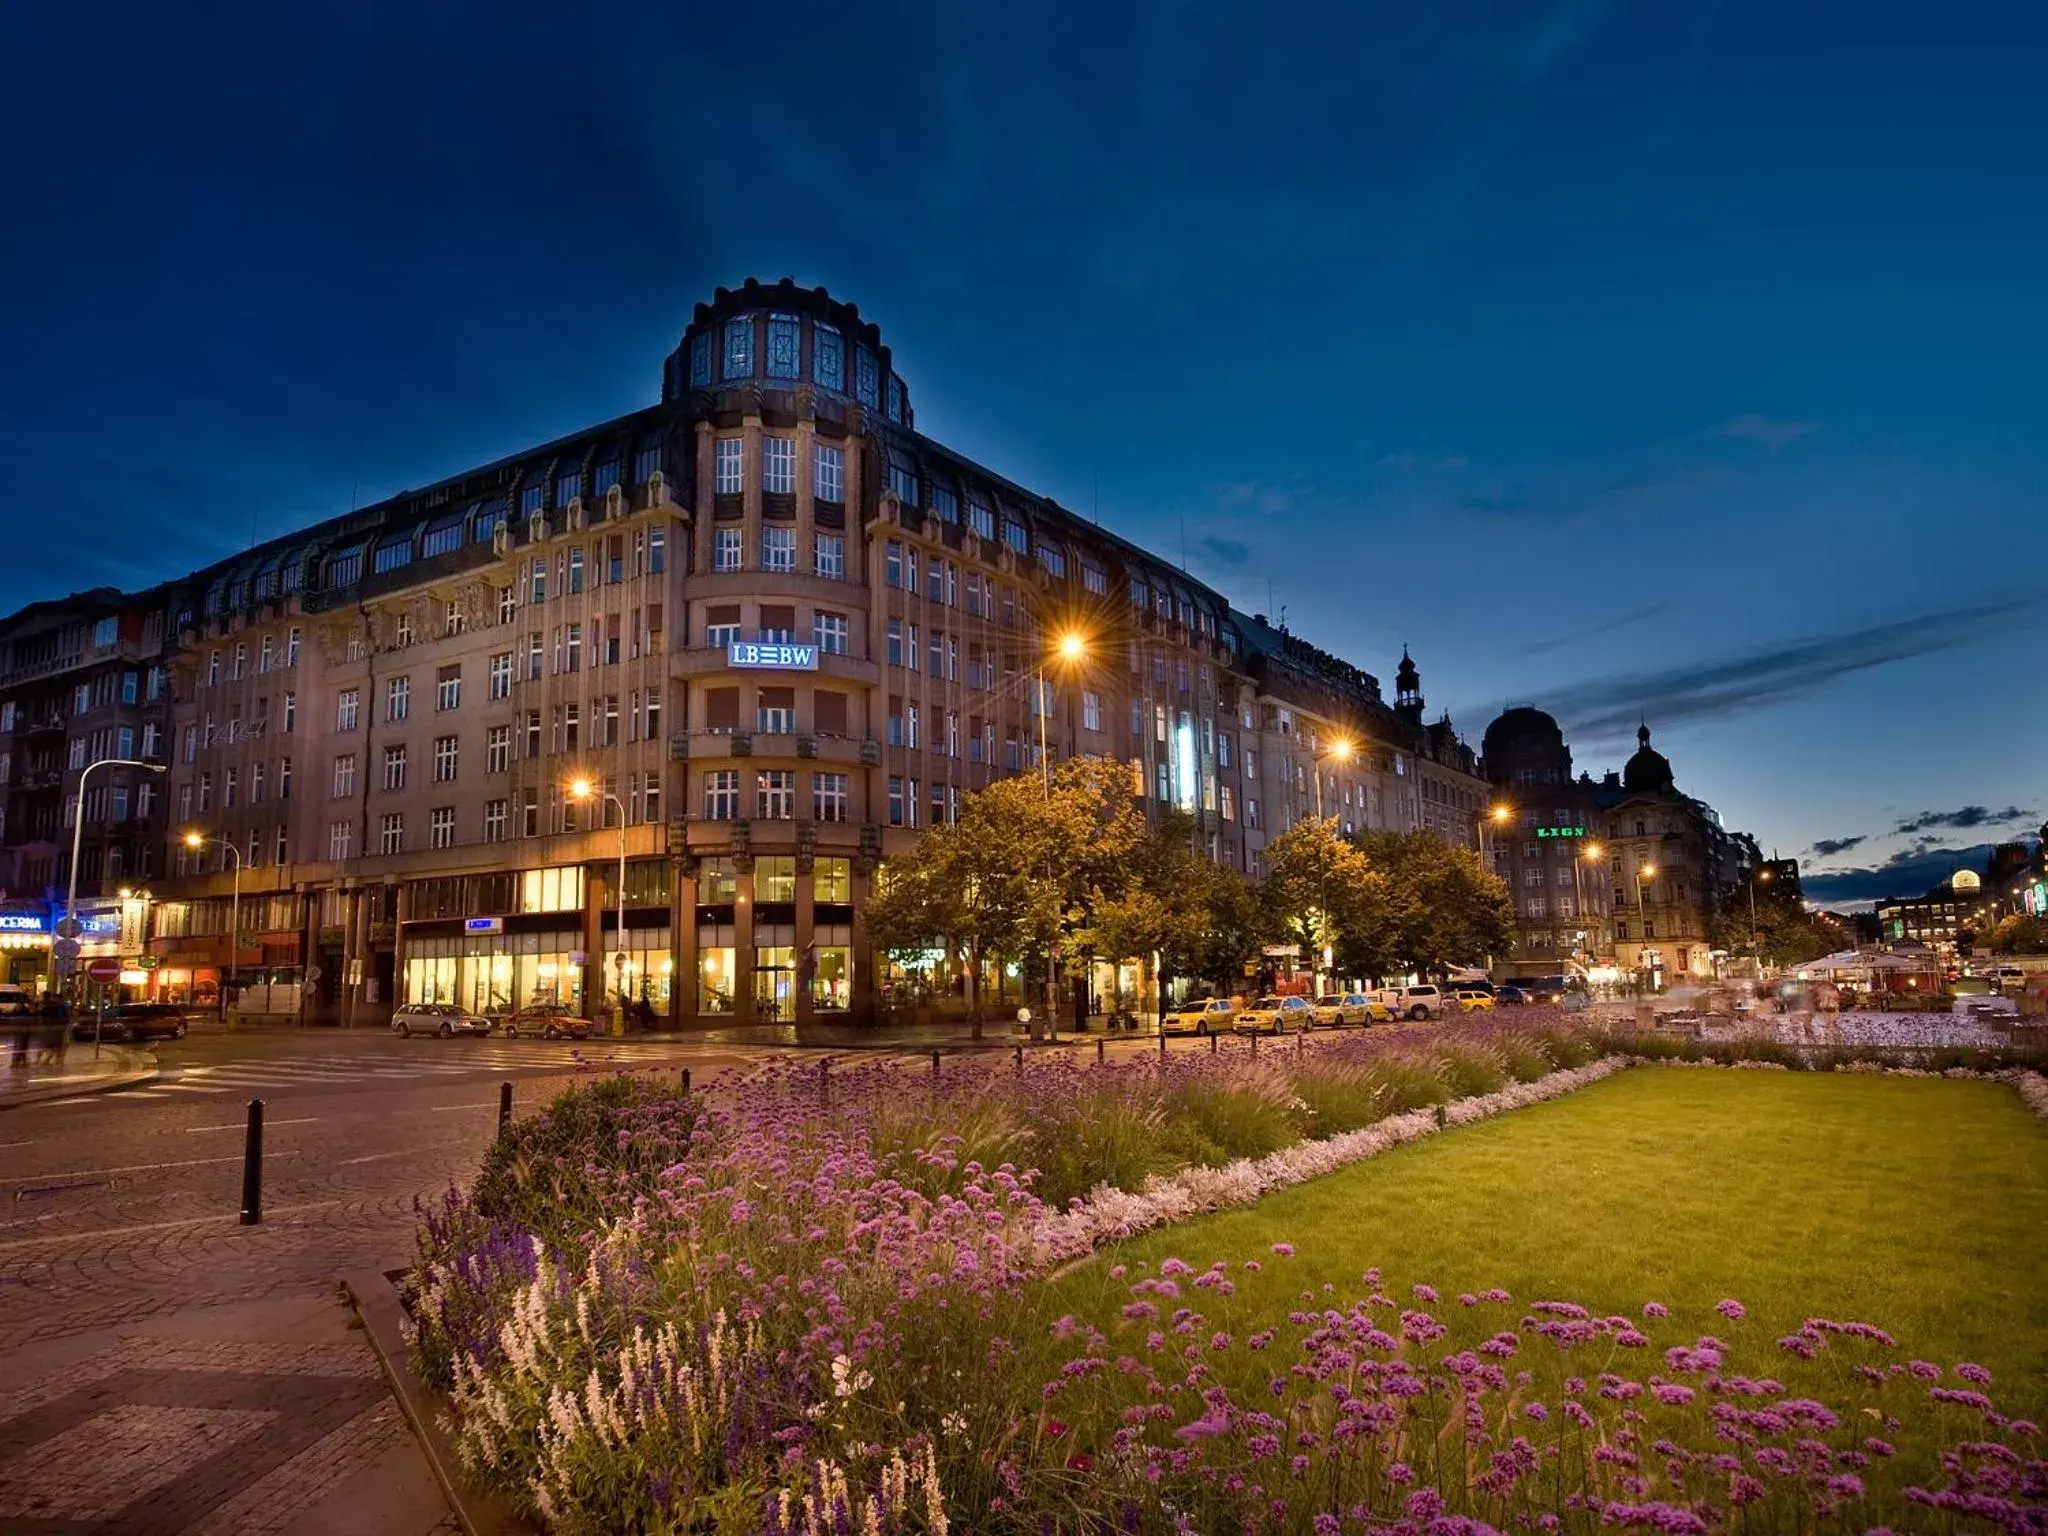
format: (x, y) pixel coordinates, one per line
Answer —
(778, 551)
(777, 627)
(773, 795)
(272, 653)
(231, 787)
(779, 355)
(501, 819)
(779, 468)
(113, 742)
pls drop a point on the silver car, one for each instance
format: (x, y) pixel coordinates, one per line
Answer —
(443, 1019)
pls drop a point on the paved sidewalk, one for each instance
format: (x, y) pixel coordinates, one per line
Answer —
(261, 1417)
(116, 1066)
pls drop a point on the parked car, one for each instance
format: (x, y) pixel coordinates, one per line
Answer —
(132, 1021)
(548, 1023)
(1473, 999)
(15, 1001)
(1200, 1016)
(1511, 996)
(1423, 1002)
(443, 1019)
(1276, 1016)
(1338, 1009)
(1540, 989)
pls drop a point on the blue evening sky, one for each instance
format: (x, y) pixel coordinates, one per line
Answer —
(1679, 361)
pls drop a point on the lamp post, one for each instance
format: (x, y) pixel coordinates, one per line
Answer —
(77, 830)
(583, 789)
(1340, 752)
(1644, 875)
(1754, 948)
(1589, 854)
(197, 840)
(1071, 648)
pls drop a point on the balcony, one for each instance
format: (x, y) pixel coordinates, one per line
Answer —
(773, 746)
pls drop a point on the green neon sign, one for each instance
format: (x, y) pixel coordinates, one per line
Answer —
(1560, 831)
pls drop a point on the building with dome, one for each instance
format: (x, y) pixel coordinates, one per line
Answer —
(1543, 839)
(641, 709)
(1669, 861)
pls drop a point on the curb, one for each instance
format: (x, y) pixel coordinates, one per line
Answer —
(127, 1078)
(375, 1298)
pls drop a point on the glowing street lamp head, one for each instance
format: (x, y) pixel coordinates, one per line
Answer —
(579, 789)
(1341, 750)
(1763, 874)
(1499, 813)
(1072, 646)
(1647, 872)
(1594, 850)
(194, 840)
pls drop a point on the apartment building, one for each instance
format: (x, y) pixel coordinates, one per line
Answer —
(641, 710)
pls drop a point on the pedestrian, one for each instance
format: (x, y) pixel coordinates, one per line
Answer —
(643, 1012)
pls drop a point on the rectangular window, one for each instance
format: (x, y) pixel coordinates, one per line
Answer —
(831, 556)
(731, 478)
(657, 551)
(775, 794)
(726, 549)
(778, 548)
(895, 801)
(981, 520)
(536, 652)
(722, 795)
(1016, 536)
(445, 753)
(494, 821)
(340, 838)
(498, 749)
(537, 580)
(721, 626)
(828, 632)
(828, 473)
(775, 711)
(397, 698)
(828, 796)
(453, 620)
(778, 623)
(828, 712)
(241, 661)
(345, 776)
(394, 767)
(501, 675)
(778, 466)
(441, 827)
(1091, 711)
(291, 711)
(448, 687)
(1251, 811)
(575, 586)
(903, 481)
(391, 833)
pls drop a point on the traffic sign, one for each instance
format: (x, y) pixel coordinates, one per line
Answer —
(68, 927)
(65, 948)
(104, 969)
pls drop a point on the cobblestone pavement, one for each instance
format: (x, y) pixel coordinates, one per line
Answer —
(164, 1368)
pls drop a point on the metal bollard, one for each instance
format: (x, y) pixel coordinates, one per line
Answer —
(1255, 1042)
(1098, 1051)
(1215, 1042)
(252, 1167)
(935, 1066)
(504, 1107)
(1020, 1058)
(1162, 1040)
(825, 1081)
(686, 1079)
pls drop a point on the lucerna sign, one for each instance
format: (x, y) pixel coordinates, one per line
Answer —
(783, 658)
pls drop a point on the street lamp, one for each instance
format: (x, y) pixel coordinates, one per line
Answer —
(1340, 752)
(196, 840)
(1761, 876)
(1070, 648)
(78, 829)
(583, 789)
(1589, 854)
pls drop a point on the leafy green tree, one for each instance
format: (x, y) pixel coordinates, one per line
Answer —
(1781, 934)
(2019, 935)
(1321, 890)
(1443, 907)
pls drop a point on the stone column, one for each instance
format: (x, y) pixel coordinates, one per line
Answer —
(806, 932)
(743, 947)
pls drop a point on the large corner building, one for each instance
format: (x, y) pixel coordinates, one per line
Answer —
(750, 640)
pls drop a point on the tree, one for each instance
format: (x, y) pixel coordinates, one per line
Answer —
(1320, 890)
(2019, 935)
(1782, 934)
(1018, 875)
(1443, 907)
(1196, 917)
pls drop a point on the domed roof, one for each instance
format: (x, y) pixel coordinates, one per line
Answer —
(1523, 725)
(1647, 770)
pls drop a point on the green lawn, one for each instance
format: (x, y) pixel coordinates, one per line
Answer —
(1918, 1205)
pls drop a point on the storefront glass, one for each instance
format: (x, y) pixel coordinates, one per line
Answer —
(832, 880)
(495, 973)
(774, 981)
(649, 968)
(775, 878)
(715, 968)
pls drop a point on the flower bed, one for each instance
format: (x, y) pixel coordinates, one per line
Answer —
(813, 1303)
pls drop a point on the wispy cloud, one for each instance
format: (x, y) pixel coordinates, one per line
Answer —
(1605, 710)
(1594, 631)
(1766, 430)
(1963, 818)
(1229, 552)
(1828, 847)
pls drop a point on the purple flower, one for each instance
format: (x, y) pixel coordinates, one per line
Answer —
(1285, 1250)
(1975, 1373)
(1428, 1293)
(1731, 1309)
(1655, 1309)
(1207, 1426)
